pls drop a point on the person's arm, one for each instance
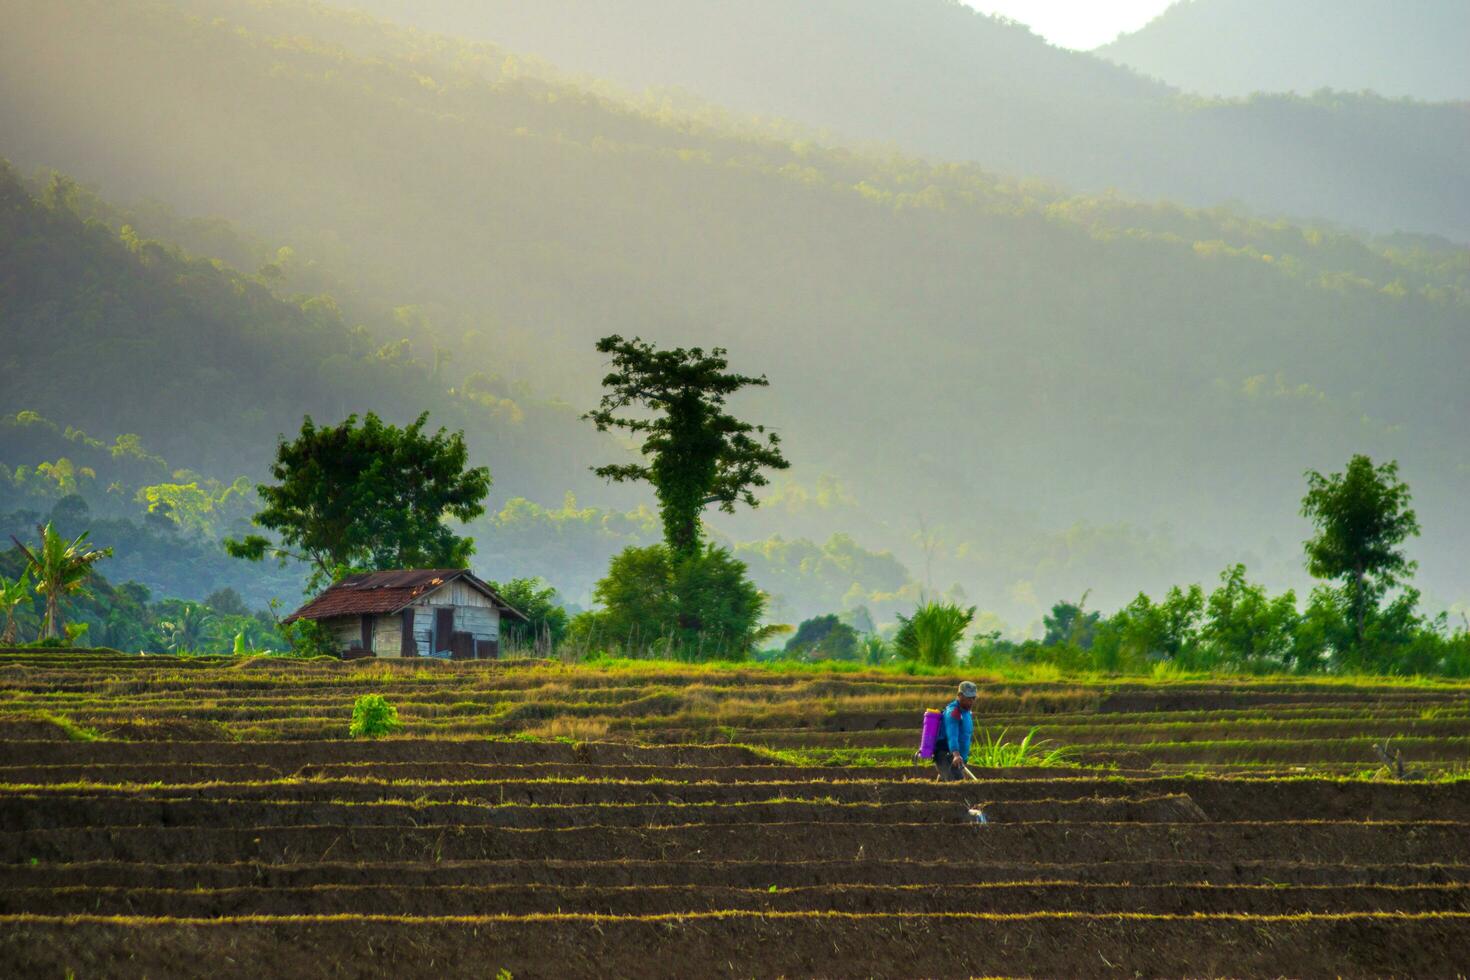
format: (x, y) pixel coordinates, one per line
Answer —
(954, 732)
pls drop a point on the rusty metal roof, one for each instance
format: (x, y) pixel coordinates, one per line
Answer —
(390, 592)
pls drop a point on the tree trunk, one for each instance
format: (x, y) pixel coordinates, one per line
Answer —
(7, 638)
(54, 624)
(1359, 603)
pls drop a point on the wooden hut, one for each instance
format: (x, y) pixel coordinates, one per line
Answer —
(437, 612)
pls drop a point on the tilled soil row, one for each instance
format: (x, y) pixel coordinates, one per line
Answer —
(1145, 699)
(1356, 746)
(647, 899)
(1407, 843)
(39, 813)
(716, 874)
(745, 944)
(1103, 733)
(1223, 800)
(295, 755)
(782, 726)
(195, 772)
(327, 720)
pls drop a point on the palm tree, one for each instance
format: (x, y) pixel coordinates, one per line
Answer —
(191, 627)
(13, 592)
(61, 568)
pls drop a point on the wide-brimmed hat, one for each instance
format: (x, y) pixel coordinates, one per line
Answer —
(968, 689)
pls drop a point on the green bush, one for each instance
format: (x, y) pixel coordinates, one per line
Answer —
(930, 637)
(373, 717)
(697, 607)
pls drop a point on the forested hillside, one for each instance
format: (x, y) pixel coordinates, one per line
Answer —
(1055, 392)
(210, 365)
(1413, 49)
(933, 76)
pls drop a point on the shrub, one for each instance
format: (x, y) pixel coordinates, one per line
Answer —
(824, 638)
(373, 717)
(699, 607)
(931, 636)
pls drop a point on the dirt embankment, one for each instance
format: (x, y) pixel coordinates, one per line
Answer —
(747, 944)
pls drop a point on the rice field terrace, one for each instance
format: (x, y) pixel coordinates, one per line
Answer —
(166, 816)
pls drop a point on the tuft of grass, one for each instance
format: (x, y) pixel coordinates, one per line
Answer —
(373, 717)
(73, 731)
(996, 753)
(581, 729)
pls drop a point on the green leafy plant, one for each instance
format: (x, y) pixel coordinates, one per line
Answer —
(61, 569)
(373, 717)
(994, 752)
(932, 634)
(13, 594)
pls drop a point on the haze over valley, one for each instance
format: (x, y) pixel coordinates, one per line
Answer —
(1035, 323)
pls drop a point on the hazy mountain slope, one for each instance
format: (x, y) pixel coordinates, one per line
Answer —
(117, 334)
(1413, 48)
(933, 76)
(997, 359)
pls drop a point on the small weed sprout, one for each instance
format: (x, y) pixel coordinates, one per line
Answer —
(373, 717)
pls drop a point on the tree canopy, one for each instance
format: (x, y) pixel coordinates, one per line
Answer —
(368, 495)
(697, 454)
(1362, 518)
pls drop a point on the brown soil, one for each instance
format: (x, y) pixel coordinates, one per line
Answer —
(647, 899)
(21, 813)
(745, 944)
(1154, 809)
(1222, 800)
(31, 730)
(1419, 843)
(716, 874)
(434, 855)
(294, 755)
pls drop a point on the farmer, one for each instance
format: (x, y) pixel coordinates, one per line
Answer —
(952, 748)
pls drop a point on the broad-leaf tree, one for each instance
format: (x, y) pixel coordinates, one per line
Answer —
(1362, 517)
(60, 568)
(14, 592)
(696, 454)
(369, 495)
(702, 606)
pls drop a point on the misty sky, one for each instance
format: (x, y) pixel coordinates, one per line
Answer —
(1079, 24)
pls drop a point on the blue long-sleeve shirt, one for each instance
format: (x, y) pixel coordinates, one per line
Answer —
(959, 727)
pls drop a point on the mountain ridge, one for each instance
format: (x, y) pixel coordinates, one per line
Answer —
(993, 356)
(1234, 48)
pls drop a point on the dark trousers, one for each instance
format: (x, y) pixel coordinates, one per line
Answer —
(948, 773)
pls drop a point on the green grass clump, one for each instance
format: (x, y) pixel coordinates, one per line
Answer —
(73, 731)
(996, 753)
(373, 717)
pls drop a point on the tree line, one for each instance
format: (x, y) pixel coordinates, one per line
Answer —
(364, 495)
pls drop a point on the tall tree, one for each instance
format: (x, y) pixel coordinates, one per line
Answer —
(60, 568)
(697, 454)
(368, 496)
(1362, 516)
